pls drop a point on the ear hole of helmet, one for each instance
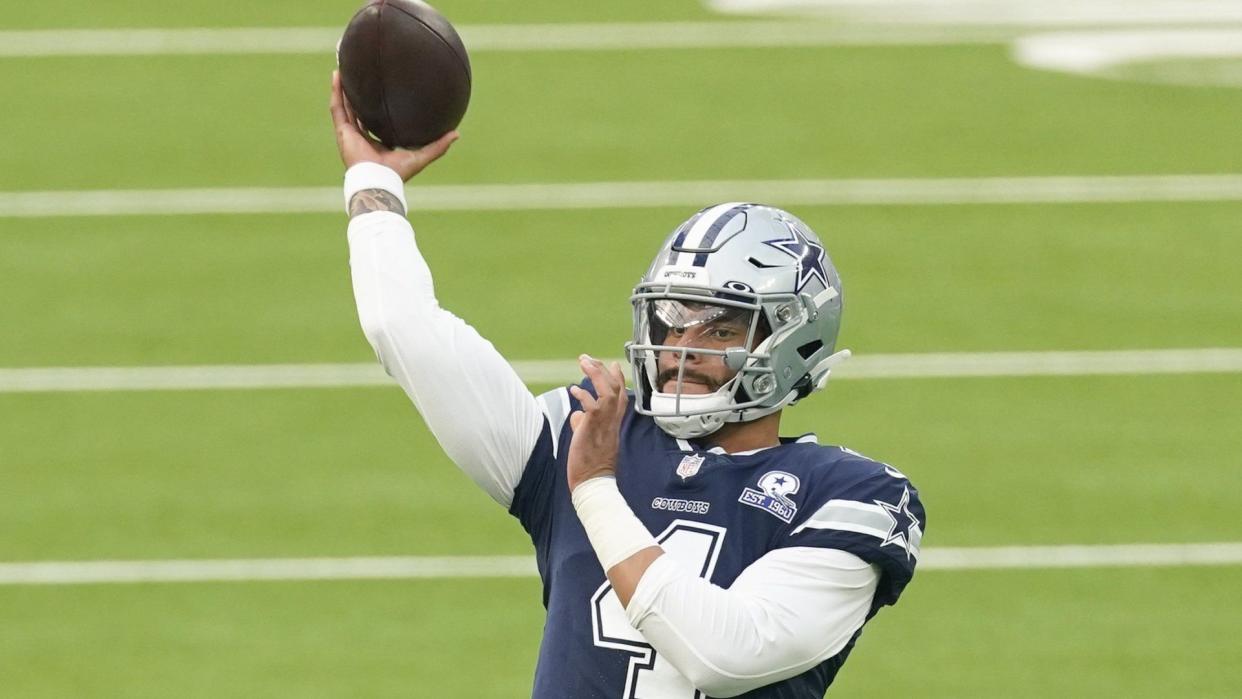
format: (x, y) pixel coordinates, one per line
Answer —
(805, 385)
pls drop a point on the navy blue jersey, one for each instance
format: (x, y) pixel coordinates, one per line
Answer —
(721, 511)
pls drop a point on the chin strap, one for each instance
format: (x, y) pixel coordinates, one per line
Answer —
(690, 426)
(755, 413)
(819, 374)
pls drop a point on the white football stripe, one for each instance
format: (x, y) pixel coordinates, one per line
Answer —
(543, 372)
(416, 567)
(618, 195)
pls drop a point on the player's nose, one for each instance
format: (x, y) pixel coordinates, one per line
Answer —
(670, 358)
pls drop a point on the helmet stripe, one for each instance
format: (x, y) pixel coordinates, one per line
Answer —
(709, 217)
(680, 237)
(700, 259)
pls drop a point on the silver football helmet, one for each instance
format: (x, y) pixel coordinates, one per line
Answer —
(759, 268)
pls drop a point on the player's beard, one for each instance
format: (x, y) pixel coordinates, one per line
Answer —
(689, 376)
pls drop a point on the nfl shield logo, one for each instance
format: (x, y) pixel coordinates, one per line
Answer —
(690, 465)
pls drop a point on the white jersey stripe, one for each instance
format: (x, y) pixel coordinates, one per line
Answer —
(852, 516)
(555, 405)
(915, 539)
(863, 518)
(841, 525)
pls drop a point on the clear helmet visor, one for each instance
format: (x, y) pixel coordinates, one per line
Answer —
(687, 314)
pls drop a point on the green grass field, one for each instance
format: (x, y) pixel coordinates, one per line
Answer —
(353, 472)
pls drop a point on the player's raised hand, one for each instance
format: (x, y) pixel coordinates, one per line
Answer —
(597, 426)
(357, 147)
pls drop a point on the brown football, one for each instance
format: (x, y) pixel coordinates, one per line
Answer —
(404, 71)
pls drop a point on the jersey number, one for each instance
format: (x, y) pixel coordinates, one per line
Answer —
(651, 676)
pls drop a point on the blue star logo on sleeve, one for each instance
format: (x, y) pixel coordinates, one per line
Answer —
(809, 254)
(904, 531)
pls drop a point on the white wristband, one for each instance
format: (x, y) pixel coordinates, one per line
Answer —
(368, 175)
(611, 526)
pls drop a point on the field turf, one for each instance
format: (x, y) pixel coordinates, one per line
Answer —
(353, 472)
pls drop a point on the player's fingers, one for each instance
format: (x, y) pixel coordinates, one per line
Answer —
(428, 154)
(618, 377)
(584, 397)
(349, 131)
(575, 419)
(336, 103)
(596, 372)
(370, 138)
(618, 382)
(353, 118)
(355, 121)
(343, 114)
(440, 146)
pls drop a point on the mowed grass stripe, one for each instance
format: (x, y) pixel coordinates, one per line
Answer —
(621, 36)
(880, 366)
(413, 567)
(615, 195)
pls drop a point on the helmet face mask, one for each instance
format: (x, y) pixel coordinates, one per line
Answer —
(706, 344)
(761, 273)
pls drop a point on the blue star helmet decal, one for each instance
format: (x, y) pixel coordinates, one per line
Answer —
(809, 254)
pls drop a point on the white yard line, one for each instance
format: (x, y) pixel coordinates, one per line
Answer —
(853, 23)
(1019, 13)
(416, 567)
(1103, 52)
(616, 195)
(1121, 555)
(879, 366)
(403, 567)
(492, 38)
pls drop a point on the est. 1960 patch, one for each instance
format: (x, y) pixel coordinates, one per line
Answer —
(775, 487)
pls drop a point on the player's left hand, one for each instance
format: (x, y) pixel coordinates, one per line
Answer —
(357, 147)
(597, 427)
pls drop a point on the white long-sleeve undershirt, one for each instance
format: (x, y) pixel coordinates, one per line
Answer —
(785, 613)
(482, 414)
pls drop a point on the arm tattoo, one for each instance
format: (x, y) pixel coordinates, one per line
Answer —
(369, 200)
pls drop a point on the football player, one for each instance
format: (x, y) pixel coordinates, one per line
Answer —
(686, 549)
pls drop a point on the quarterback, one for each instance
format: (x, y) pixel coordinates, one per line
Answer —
(687, 550)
